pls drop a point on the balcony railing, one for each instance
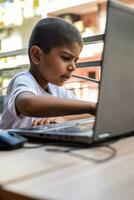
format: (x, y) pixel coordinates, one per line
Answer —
(87, 40)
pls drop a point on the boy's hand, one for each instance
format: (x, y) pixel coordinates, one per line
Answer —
(49, 120)
(56, 120)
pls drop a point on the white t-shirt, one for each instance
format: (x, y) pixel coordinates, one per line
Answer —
(25, 82)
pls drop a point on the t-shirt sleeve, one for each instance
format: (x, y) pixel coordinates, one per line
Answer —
(18, 85)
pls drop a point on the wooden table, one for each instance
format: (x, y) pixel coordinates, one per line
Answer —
(69, 173)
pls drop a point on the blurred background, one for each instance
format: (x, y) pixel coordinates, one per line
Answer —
(17, 18)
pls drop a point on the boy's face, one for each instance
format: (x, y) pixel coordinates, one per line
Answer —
(58, 66)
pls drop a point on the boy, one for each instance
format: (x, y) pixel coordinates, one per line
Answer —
(34, 97)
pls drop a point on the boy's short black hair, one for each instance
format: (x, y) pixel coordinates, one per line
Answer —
(53, 32)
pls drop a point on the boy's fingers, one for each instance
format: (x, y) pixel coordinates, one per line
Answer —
(50, 121)
(43, 121)
(37, 122)
(34, 123)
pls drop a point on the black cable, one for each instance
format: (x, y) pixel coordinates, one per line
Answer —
(86, 78)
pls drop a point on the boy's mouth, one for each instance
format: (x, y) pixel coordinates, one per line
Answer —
(65, 77)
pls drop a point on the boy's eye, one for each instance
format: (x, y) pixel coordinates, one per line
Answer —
(65, 58)
(76, 61)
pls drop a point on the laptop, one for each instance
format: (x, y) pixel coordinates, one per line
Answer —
(115, 112)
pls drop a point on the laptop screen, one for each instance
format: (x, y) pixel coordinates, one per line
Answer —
(115, 113)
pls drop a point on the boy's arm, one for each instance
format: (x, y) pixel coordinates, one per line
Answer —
(79, 116)
(29, 104)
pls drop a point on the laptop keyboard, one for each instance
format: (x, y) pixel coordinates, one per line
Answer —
(66, 124)
(72, 130)
(69, 127)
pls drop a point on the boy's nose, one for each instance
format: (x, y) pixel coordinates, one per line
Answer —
(71, 67)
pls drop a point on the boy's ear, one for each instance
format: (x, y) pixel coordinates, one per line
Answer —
(35, 52)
